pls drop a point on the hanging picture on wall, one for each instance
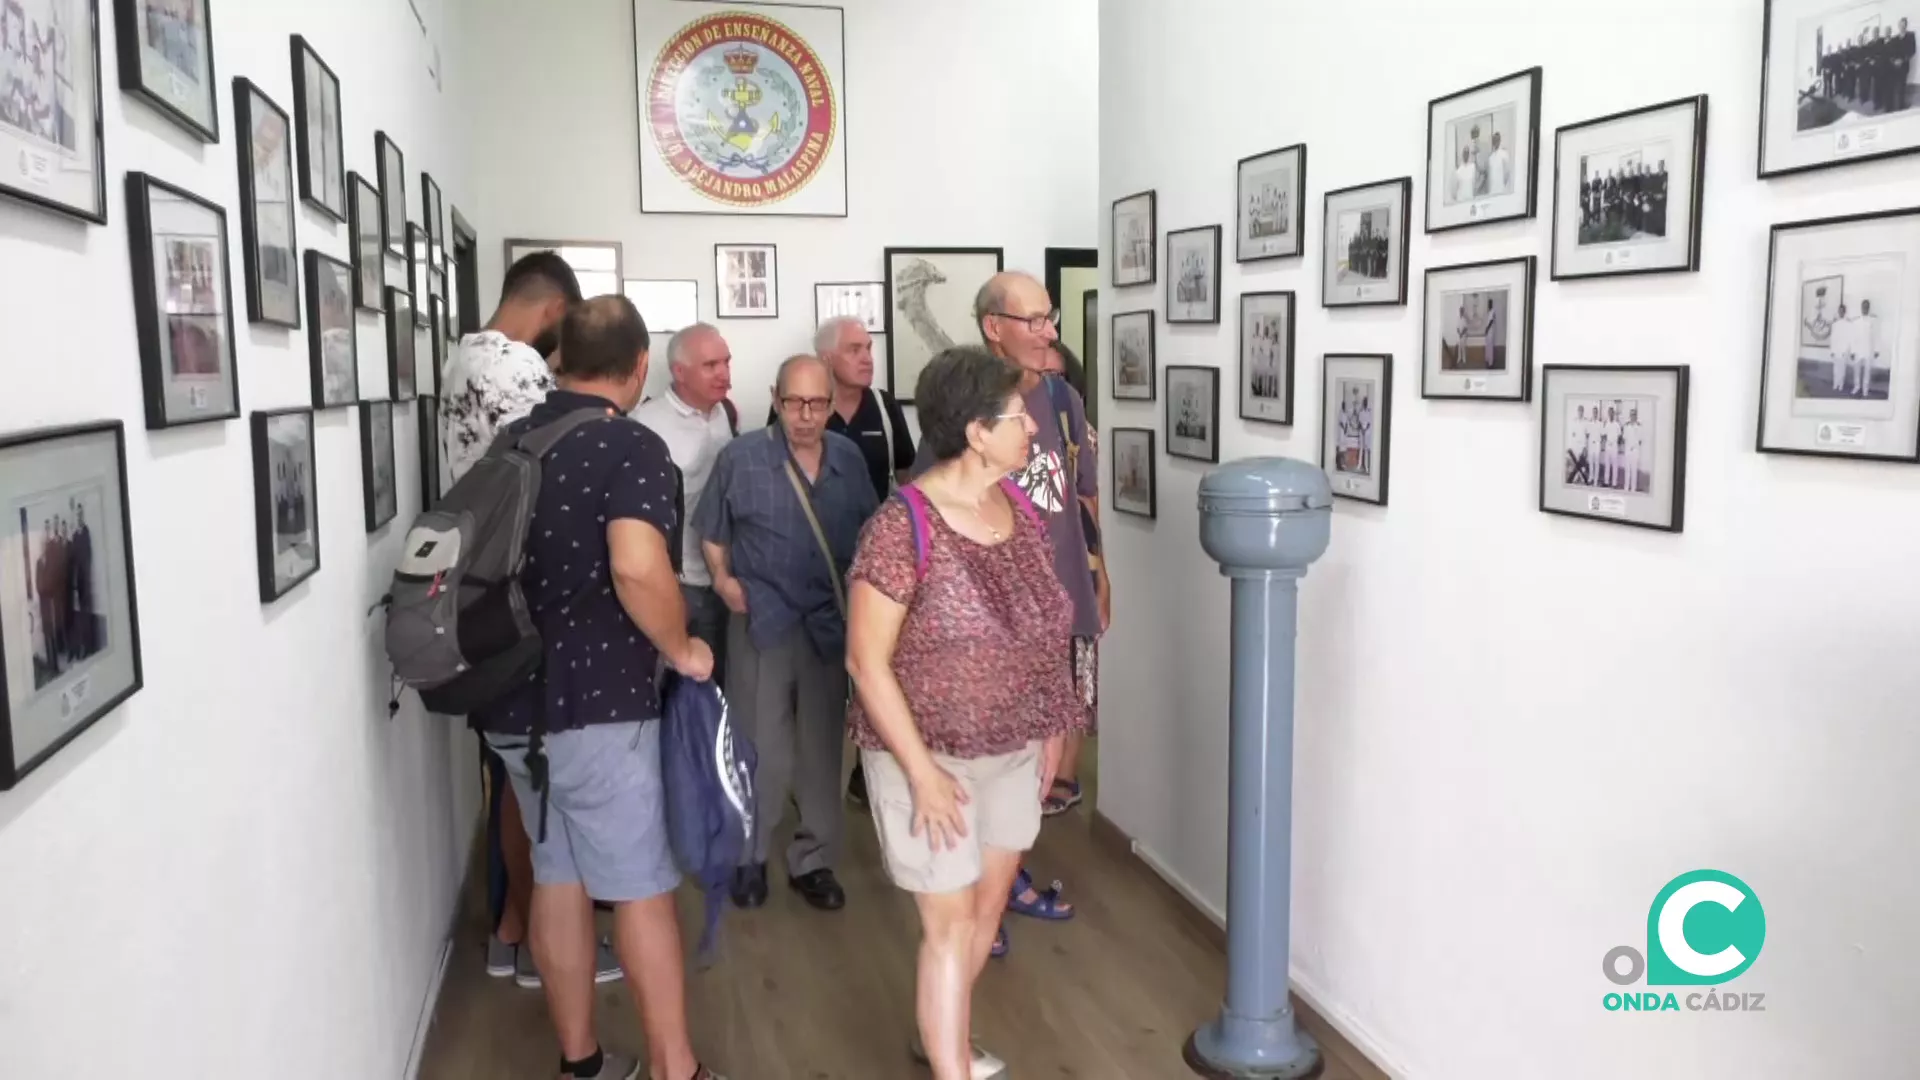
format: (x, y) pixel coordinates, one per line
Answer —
(1270, 199)
(434, 219)
(1364, 233)
(369, 246)
(419, 272)
(182, 304)
(1483, 153)
(69, 620)
(1135, 240)
(1627, 192)
(265, 156)
(863, 300)
(392, 166)
(1356, 424)
(316, 108)
(429, 429)
(1613, 444)
(1135, 485)
(440, 336)
(1266, 357)
(426, 379)
(1134, 377)
(1840, 370)
(332, 338)
(930, 306)
(1839, 83)
(380, 496)
(665, 305)
(401, 373)
(748, 279)
(52, 140)
(166, 59)
(1193, 275)
(1193, 412)
(286, 516)
(1479, 331)
(742, 108)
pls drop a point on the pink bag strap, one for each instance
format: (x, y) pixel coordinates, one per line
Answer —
(917, 510)
(1019, 496)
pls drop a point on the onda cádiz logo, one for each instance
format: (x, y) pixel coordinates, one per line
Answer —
(1705, 929)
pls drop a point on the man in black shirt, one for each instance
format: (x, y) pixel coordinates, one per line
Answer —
(872, 418)
(602, 590)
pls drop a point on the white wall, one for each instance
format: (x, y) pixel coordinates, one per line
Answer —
(968, 125)
(248, 867)
(1514, 728)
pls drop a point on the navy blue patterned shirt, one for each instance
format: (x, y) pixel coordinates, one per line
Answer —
(749, 506)
(600, 669)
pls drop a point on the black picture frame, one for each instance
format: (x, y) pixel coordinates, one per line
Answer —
(1796, 100)
(154, 338)
(42, 164)
(1209, 238)
(430, 212)
(905, 342)
(264, 524)
(419, 272)
(16, 765)
(402, 371)
(246, 96)
(369, 247)
(1248, 249)
(318, 264)
(1151, 241)
(1402, 195)
(371, 457)
(133, 74)
(1477, 388)
(1695, 202)
(1287, 378)
(1528, 171)
(391, 170)
(1681, 375)
(427, 409)
(1211, 376)
(722, 309)
(1133, 320)
(1381, 421)
(1117, 438)
(305, 54)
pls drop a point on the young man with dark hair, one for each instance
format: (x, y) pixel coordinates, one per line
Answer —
(602, 591)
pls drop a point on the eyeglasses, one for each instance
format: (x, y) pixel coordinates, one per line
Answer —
(805, 405)
(1035, 323)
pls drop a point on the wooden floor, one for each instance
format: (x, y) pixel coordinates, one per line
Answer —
(804, 995)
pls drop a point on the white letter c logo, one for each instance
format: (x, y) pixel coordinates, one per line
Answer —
(1673, 936)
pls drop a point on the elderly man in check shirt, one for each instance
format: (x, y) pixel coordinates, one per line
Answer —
(787, 635)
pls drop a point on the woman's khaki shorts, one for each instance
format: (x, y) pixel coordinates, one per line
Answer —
(1002, 811)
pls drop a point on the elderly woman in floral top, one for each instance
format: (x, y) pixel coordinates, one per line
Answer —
(956, 632)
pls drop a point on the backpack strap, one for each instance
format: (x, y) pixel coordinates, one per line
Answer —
(733, 416)
(886, 427)
(1060, 394)
(916, 501)
(539, 440)
(1018, 496)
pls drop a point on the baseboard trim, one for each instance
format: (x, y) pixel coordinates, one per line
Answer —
(1339, 1039)
(428, 1008)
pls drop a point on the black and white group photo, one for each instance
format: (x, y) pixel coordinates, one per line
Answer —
(1133, 239)
(1354, 426)
(1193, 284)
(195, 323)
(288, 537)
(1480, 155)
(1269, 189)
(1623, 194)
(1856, 61)
(1193, 412)
(1266, 356)
(1133, 376)
(1609, 443)
(37, 85)
(65, 584)
(1196, 283)
(172, 30)
(272, 215)
(1473, 330)
(1848, 310)
(1366, 242)
(1192, 417)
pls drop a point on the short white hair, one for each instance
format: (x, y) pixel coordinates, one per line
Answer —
(827, 338)
(683, 337)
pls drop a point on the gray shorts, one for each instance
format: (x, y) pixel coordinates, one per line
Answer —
(606, 812)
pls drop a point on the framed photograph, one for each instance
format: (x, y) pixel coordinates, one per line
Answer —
(1479, 331)
(1364, 263)
(401, 373)
(285, 514)
(266, 207)
(323, 154)
(1135, 486)
(69, 619)
(429, 430)
(419, 272)
(182, 304)
(1483, 153)
(378, 493)
(433, 214)
(1837, 83)
(369, 245)
(1193, 275)
(1193, 412)
(930, 291)
(666, 306)
(1613, 444)
(1627, 192)
(166, 59)
(52, 139)
(1838, 375)
(1356, 424)
(1134, 375)
(426, 376)
(1135, 240)
(748, 280)
(392, 166)
(441, 335)
(332, 336)
(1266, 357)
(864, 300)
(776, 73)
(1270, 200)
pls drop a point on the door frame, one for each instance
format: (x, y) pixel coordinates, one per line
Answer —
(466, 272)
(1059, 259)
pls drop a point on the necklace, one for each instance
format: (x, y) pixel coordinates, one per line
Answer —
(982, 518)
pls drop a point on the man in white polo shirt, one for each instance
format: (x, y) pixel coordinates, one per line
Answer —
(692, 417)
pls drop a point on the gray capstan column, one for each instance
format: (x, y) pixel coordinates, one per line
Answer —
(1264, 520)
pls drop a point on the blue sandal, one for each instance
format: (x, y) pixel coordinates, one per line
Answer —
(1046, 903)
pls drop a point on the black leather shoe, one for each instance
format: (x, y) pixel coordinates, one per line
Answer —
(820, 889)
(750, 885)
(857, 786)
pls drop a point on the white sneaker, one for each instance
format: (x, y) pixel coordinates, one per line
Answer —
(984, 1067)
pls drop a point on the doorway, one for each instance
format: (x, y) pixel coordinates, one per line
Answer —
(1073, 280)
(466, 275)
